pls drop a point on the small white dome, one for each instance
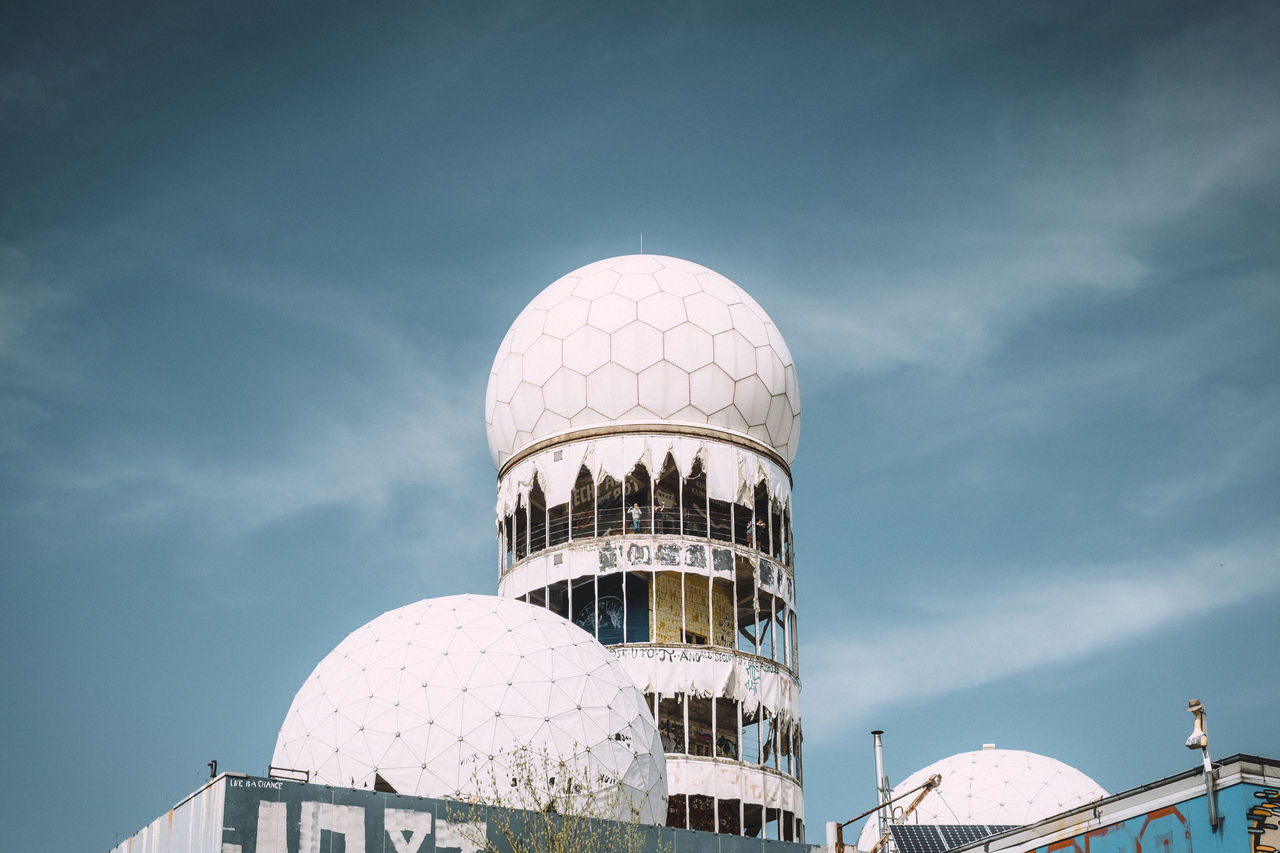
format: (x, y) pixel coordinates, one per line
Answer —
(442, 697)
(1009, 787)
(642, 338)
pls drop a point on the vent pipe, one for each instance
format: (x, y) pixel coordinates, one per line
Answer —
(883, 791)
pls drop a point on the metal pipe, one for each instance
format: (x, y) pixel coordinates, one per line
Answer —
(882, 785)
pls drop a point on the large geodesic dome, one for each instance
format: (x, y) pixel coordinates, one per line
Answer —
(995, 787)
(644, 339)
(455, 696)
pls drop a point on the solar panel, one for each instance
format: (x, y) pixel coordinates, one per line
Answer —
(959, 835)
(917, 838)
(928, 838)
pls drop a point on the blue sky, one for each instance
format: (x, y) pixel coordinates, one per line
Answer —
(255, 262)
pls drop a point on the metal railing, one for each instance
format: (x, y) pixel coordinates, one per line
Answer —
(717, 526)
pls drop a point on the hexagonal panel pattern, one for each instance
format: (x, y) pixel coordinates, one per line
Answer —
(443, 696)
(662, 318)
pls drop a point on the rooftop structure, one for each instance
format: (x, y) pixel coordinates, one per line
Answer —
(235, 813)
(1171, 815)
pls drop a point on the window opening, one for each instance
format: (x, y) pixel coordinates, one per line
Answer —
(558, 598)
(726, 728)
(748, 628)
(777, 530)
(702, 813)
(538, 596)
(666, 499)
(771, 823)
(638, 606)
(671, 723)
(668, 621)
(780, 631)
(722, 612)
(610, 507)
(766, 738)
(769, 740)
(583, 499)
(700, 734)
(729, 821)
(760, 524)
(784, 744)
(697, 616)
(639, 501)
(743, 533)
(751, 736)
(795, 644)
(788, 821)
(509, 541)
(752, 820)
(677, 812)
(583, 605)
(537, 519)
(558, 525)
(610, 618)
(764, 622)
(522, 532)
(693, 501)
(721, 520)
(789, 553)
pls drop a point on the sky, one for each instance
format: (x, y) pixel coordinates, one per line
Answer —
(255, 261)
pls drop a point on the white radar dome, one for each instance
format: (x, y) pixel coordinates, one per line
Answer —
(642, 339)
(1008, 787)
(452, 697)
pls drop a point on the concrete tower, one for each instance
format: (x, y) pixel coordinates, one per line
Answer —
(643, 413)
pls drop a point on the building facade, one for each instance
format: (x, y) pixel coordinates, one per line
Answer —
(235, 813)
(643, 413)
(1170, 815)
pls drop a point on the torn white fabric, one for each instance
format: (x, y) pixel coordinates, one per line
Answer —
(733, 781)
(732, 472)
(753, 681)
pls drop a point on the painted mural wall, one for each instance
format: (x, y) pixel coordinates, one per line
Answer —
(1250, 824)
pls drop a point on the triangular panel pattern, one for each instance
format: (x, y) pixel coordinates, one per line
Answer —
(440, 697)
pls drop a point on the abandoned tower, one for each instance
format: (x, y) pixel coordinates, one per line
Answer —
(643, 413)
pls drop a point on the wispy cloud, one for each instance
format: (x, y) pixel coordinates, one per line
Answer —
(1241, 445)
(358, 461)
(951, 320)
(1074, 189)
(32, 365)
(963, 641)
(380, 422)
(31, 301)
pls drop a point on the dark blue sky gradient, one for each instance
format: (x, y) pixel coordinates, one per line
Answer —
(255, 260)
